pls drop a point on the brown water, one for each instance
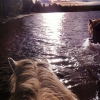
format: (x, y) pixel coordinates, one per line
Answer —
(62, 39)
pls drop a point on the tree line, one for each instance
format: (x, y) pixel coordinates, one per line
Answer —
(59, 8)
(9, 8)
(14, 7)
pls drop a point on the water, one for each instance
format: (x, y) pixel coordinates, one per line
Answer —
(62, 39)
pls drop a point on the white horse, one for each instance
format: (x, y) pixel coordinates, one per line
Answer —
(33, 80)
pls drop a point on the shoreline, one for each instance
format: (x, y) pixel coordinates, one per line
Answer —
(5, 20)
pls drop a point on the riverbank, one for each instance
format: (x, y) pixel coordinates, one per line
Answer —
(5, 20)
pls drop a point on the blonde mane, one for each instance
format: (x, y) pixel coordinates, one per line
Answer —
(33, 80)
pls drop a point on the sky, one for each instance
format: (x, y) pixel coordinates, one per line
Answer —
(73, 2)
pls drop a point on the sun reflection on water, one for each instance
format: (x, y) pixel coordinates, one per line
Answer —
(54, 21)
(53, 24)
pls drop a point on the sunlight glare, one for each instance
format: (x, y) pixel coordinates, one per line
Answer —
(53, 24)
(54, 21)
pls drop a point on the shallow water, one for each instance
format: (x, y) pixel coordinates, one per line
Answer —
(62, 39)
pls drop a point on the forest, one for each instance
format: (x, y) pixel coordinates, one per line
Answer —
(11, 8)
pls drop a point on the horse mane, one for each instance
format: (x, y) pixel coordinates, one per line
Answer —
(33, 80)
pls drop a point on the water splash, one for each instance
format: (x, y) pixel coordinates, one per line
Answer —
(86, 44)
(91, 46)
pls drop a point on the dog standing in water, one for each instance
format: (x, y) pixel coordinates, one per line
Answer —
(33, 80)
(94, 30)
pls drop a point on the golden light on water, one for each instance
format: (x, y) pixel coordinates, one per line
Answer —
(53, 24)
(53, 21)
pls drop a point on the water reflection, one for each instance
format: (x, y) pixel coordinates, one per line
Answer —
(54, 23)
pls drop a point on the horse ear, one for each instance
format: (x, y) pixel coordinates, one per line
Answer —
(12, 63)
(90, 21)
